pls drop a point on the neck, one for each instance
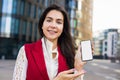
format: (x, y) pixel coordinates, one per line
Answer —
(54, 44)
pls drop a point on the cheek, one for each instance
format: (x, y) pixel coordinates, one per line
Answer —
(61, 29)
(44, 26)
(44, 29)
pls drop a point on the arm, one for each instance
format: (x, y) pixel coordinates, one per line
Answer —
(20, 66)
(79, 64)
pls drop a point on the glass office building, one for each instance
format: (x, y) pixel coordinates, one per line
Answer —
(18, 23)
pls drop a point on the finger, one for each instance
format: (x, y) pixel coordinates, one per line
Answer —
(79, 48)
(75, 75)
(68, 71)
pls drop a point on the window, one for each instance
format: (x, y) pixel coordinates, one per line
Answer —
(12, 25)
(24, 27)
(39, 12)
(42, 1)
(105, 49)
(32, 10)
(72, 14)
(72, 23)
(35, 11)
(0, 24)
(22, 5)
(14, 8)
(4, 8)
(7, 6)
(30, 29)
(1, 2)
(72, 4)
(29, 9)
(26, 10)
(3, 22)
(46, 3)
(17, 25)
(5, 26)
(106, 43)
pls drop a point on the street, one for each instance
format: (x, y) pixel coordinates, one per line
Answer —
(96, 70)
(6, 69)
(102, 70)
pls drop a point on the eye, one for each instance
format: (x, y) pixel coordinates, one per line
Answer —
(48, 20)
(59, 22)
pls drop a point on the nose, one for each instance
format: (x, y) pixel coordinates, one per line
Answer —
(53, 25)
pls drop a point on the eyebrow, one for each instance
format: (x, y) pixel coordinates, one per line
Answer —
(57, 19)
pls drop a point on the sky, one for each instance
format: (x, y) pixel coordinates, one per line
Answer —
(106, 14)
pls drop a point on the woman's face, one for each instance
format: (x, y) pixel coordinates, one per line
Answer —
(53, 25)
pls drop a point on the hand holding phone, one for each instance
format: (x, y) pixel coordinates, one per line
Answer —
(86, 50)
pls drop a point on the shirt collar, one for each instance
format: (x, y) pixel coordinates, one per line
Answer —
(48, 46)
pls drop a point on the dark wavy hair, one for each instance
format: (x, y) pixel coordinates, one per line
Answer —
(65, 40)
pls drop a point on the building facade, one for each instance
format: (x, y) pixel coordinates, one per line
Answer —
(19, 23)
(84, 12)
(118, 46)
(71, 7)
(98, 45)
(110, 43)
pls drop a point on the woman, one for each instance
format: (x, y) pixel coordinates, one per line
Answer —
(53, 56)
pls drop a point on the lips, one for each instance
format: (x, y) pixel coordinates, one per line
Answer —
(52, 32)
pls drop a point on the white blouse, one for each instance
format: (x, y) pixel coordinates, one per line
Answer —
(51, 63)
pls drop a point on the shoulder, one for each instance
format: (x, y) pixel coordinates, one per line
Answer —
(33, 43)
(33, 46)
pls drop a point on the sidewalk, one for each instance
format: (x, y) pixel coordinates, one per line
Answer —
(6, 69)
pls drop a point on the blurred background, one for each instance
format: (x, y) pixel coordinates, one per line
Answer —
(97, 20)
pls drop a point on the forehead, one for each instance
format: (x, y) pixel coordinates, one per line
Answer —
(55, 14)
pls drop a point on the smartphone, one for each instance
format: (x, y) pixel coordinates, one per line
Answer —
(86, 50)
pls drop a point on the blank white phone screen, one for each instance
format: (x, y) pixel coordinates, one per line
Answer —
(86, 50)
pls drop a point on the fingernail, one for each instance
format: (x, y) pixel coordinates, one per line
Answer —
(73, 69)
(84, 71)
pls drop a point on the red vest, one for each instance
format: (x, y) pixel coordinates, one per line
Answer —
(36, 69)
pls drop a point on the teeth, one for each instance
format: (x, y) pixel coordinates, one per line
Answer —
(51, 31)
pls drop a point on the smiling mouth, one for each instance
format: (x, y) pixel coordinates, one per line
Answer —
(52, 32)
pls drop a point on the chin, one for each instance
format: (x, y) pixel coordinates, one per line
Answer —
(51, 38)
